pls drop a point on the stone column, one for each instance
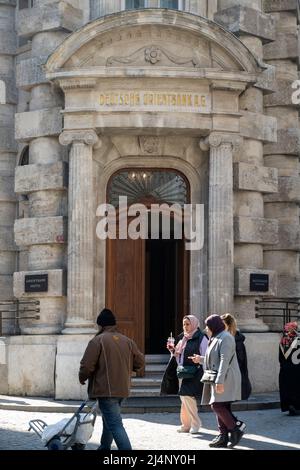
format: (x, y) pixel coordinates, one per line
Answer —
(8, 149)
(220, 237)
(80, 232)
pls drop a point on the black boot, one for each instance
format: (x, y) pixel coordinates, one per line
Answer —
(293, 411)
(235, 436)
(220, 441)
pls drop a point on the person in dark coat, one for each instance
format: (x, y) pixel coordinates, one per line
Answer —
(289, 375)
(107, 363)
(189, 343)
(231, 327)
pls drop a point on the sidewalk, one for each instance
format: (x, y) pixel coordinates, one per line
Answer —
(265, 401)
(266, 430)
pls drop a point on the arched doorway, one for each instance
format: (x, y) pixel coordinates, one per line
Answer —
(147, 279)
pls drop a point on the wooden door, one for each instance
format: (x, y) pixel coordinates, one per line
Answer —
(125, 286)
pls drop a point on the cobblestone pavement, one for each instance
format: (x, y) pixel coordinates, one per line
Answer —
(266, 430)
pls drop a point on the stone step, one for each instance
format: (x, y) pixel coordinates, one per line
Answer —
(145, 392)
(157, 358)
(146, 381)
(155, 368)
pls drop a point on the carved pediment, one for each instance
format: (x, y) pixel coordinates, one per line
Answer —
(152, 39)
(144, 47)
(152, 47)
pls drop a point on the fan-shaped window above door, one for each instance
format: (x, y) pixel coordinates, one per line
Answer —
(148, 186)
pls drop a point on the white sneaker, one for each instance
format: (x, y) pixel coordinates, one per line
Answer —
(183, 430)
(194, 431)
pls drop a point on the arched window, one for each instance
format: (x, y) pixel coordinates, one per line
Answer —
(24, 157)
(23, 207)
(141, 185)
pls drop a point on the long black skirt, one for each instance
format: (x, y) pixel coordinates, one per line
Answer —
(289, 386)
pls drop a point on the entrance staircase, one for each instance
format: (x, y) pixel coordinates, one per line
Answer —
(149, 385)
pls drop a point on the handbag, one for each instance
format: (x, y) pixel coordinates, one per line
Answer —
(186, 372)
(209, 377)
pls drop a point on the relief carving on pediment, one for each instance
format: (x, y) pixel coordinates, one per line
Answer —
(157, 47)
(155, 54)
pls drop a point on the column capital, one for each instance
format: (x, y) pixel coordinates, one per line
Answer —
(86, 136)
(216, 139)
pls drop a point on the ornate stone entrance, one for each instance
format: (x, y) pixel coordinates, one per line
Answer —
(170, 102)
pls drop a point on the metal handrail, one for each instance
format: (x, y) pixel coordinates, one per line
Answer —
(290, 310)
(17, 311)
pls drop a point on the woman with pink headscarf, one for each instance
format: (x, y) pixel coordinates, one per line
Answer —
(289, 376)
(190, 342)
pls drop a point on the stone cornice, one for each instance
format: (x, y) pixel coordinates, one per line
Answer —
(76, 83)
(236, 80)
(216, 139)
(88, 137)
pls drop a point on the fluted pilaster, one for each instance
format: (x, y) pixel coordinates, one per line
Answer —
(221, 238)
(80, 231)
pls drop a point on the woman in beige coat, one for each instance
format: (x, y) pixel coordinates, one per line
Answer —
(221, 357)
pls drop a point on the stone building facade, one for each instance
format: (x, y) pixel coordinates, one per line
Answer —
(96, 96)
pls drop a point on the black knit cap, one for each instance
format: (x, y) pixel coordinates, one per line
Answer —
(106, 318)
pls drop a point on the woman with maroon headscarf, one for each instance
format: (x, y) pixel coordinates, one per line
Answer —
(289, 376)
(221, 357)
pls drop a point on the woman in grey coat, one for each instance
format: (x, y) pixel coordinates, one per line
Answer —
(221, 357)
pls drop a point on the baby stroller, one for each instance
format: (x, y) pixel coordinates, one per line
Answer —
(68, 433)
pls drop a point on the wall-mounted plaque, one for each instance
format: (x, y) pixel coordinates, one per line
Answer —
(259, 282)
(36, 283)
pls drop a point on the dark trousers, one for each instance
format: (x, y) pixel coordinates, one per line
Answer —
(225, 419)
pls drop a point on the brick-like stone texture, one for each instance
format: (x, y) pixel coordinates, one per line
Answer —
(288, 286)
(7, 140)
(41, 123)
(48, 17)
(253, 178)
(286, 46)
(289, 238)
(31, 178)
(40, 231)
(282, 95)
(288, 190)
(244, 20)
(259, 127)
(288, 143)
(30, 72)
(255, 230)
(279, 5)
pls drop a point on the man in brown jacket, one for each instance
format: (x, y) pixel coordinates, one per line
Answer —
(107, 363)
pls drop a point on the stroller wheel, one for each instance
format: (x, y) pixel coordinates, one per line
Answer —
(55, 444)
(78, 446)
